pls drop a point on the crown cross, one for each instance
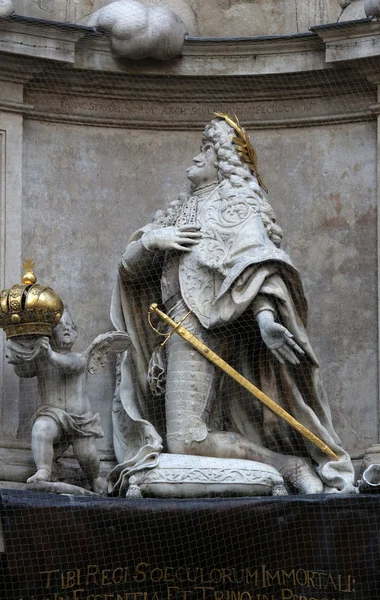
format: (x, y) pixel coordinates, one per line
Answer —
(28, 265)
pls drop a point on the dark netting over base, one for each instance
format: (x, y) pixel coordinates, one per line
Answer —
(189, 363)
(248, 549)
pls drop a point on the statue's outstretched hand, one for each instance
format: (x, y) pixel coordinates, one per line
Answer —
(278, 339)
(172, 238)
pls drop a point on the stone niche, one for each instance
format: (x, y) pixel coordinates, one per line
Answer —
(214, 18)
(91, 145)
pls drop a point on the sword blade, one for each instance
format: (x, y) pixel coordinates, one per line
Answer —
(255, 391)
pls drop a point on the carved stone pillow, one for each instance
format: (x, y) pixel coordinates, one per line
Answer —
(184, 476)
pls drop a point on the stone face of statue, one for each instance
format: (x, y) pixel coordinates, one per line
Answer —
(65, 333)
(205, 167)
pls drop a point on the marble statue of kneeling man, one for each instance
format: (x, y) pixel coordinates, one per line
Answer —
(65, 417)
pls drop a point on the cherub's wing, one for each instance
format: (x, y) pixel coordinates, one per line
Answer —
(111, 342)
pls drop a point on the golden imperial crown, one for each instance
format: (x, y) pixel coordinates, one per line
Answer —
(29, 308)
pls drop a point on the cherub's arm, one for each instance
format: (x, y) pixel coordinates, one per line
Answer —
(67, 363)
(72, 362)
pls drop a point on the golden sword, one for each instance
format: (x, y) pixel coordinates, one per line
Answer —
(222, 364)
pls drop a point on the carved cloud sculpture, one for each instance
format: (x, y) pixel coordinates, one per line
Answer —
(137, 31)
(372, 8)
(6, 8)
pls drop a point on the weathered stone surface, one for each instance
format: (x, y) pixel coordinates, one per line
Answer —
(137, 31)
(372, 8)
(321, 178)
(54, 10)
(73, 11)
(354, 10)
(328, 215)
(6, 8)
(262, 17)
(333, 245)
(181, 7)
(225, 18)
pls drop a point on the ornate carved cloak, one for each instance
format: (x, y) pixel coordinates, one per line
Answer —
(234, 266)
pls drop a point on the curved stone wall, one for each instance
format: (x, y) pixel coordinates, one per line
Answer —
(99, 143)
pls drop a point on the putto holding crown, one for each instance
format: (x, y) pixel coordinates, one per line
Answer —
(217, 253)
(41, 333)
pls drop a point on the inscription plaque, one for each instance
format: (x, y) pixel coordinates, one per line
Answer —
(153, 114)
(311, 548)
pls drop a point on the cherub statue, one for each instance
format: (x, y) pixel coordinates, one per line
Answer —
(65, 417)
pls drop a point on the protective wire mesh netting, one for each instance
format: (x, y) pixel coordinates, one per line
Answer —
(175, 443)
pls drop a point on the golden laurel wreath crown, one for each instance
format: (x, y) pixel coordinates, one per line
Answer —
(244, 146)
(29, 308)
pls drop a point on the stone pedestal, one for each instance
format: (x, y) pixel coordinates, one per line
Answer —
(252, 549)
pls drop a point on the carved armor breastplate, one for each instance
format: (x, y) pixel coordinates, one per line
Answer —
(233, 237)
(203, 270)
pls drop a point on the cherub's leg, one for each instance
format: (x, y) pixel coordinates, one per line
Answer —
(45, 433)
(60, 448)
(87, 455)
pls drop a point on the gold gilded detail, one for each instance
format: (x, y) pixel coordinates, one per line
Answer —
(244, 146)
(29, 308)
(224, 366)
(29, 277)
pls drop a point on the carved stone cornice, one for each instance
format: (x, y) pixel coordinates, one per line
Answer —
(40, 39)
(350, 40)
(14, 107)
(86, 48)
(18, 69)
(271, 82)
(213, 57)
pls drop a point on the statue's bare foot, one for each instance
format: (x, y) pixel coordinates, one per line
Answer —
(40, 475)
(99, 485)
(301, 476)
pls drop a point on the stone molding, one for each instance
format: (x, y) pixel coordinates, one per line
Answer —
(191, 116)
(351, 40)
(85, 48)
(213, 57)
(39, 39)
(274, 72)
(10, 252)
(14, 73)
